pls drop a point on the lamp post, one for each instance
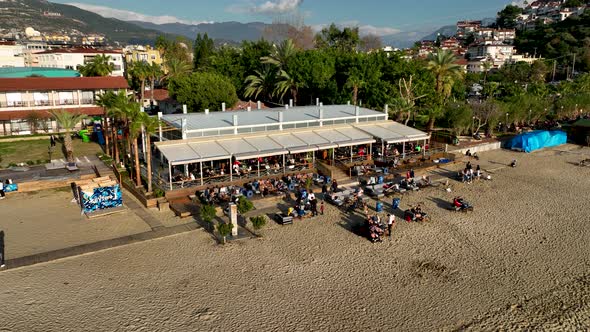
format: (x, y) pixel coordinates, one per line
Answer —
(506, 122)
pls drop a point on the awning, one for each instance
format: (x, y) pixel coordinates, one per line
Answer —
(179, 154)
(393, 132)
(292, 143)
(346, 136)
(237, 146)
(210, 150)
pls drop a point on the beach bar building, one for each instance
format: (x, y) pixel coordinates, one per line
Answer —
(233, 147)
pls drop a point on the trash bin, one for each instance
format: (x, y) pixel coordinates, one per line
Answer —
(379, 207)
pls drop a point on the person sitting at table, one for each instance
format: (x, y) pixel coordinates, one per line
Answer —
(192, 176)
(361, 152)
(236, 169)
(395, 152)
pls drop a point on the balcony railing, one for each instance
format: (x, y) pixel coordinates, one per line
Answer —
(68, 102)
(13, 104)
(42, 103)
(87, 101)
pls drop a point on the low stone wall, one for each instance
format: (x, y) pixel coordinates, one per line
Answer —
(49, 184)
(480, 148)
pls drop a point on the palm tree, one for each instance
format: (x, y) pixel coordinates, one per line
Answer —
(99, 66)
(446, 71)
(155, 73)
(287, 83)
(150, 125)
(355, 82)
(176, 68)
(68, 121)
(140, 70)
(262, 83)
(106, 101)
(281, 55)
(135, 129)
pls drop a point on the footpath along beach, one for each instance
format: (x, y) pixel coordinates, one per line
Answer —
(521, 260)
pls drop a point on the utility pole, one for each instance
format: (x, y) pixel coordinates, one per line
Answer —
(554, 69)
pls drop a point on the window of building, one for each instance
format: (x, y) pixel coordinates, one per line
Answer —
(14, 99)
(87, 97)
(41, 98)
(66, 97)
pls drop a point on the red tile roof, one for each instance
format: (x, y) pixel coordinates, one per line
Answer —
(243, 105)
(62, 83)
(81, 51)
(159, 94)
(22, 114)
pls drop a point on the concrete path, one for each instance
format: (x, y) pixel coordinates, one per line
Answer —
(100, 245)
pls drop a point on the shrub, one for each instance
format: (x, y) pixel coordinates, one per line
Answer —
(224, 229)
(159, 193)
(258, 222)
(12, 165)
(244, 205)
(30, 162)
(40, 161)
(207, 213)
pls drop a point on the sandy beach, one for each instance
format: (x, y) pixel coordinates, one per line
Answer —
(521, 260)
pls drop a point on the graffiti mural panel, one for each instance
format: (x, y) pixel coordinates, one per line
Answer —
(101, 198)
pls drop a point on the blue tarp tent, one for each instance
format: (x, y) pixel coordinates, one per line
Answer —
(536, 140)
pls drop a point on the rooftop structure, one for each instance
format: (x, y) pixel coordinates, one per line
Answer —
(216, 140)
(22, 72)
(240, 122)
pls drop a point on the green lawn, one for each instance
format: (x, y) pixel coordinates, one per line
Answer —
(37, 151)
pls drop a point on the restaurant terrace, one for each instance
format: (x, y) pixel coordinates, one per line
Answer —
(220, 148)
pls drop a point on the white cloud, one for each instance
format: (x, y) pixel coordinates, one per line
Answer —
(127, 15)
(269, 7)
(363, 29)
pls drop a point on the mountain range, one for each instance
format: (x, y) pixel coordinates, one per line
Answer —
(55, 18)
(16, 15)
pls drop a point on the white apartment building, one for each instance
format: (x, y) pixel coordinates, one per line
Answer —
(11, 55)
(491, 49)
(67, 58)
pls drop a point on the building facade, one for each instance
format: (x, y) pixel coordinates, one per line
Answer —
(146, 54)
(25, 99)
(73, 58)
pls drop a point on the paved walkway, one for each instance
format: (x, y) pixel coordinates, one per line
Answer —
(140, 211)
(100, 245)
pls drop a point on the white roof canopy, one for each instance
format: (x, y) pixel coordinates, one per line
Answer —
(250, 146)
(393, 132)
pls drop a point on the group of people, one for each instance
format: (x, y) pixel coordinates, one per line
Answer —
(376, 227)
(468, 174)
(306, 201)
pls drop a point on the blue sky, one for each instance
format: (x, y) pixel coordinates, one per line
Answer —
(388, 16)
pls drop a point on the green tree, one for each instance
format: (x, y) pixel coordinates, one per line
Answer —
(100, 65)
(507, 17)
(176, 68)
(202, 90)
(151, 124)
(261, 83)
(141, 71)
(203, 50)
(345, 40)
(287, 83)
(155, 73)
(446, 71)
(68, 121)
(281, 55)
